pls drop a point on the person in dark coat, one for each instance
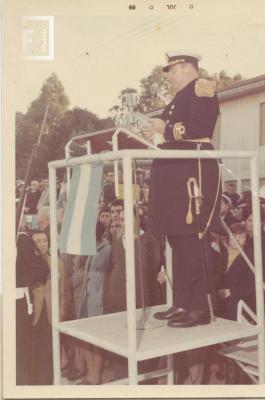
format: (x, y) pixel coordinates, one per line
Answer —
(109, 188)
(249, 242)
(187, 123)
(31, 270)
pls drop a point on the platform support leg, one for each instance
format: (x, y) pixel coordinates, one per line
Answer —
(169, 269)
(54, 280)
(130, 270)
(170, 366)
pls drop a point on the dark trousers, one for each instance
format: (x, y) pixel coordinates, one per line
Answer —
(23, 340)
(42, 360)
(189, 288)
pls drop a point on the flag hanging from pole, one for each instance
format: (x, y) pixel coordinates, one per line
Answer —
(78, 234)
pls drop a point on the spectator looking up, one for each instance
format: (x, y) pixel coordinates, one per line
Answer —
(104, 216)
(116, 209)
(113, 229)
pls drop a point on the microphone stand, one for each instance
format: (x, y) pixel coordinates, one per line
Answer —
(193, 191)
(144, 323)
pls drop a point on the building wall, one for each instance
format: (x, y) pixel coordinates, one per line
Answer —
(239, 129)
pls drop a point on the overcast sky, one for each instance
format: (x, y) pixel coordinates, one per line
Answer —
(123, 49)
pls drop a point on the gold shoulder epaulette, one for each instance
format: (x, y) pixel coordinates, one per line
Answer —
(205, 88)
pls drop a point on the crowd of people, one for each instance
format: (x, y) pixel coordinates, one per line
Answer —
(96, 285)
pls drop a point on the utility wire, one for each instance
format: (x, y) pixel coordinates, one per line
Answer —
(123, 36)
(166, 25)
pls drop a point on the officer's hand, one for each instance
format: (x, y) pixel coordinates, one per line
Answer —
(157, 125)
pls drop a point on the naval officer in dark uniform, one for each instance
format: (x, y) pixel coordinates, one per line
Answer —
(187, 123)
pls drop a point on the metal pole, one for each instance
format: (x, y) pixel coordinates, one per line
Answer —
(138, 240)
(130, 270)
(170, 367)
(169, 269)
(22, 213)
(115, 147)
(54, 277)
(68, 169)
(194, 192)
(258, 266)
(88, 147)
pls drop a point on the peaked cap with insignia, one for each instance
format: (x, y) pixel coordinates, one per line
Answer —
(174, 57)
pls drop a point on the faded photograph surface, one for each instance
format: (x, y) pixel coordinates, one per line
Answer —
(134, 198)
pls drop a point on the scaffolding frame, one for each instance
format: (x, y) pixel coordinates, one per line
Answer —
(133, 349)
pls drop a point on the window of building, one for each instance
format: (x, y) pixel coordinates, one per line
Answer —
(262, 124)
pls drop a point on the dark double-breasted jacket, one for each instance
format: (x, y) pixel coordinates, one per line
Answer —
(189, 117)
(31, 269)
(240, 280)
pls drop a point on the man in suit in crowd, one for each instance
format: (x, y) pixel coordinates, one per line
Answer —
(33, 197)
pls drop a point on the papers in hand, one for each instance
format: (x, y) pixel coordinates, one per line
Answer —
(144, 121)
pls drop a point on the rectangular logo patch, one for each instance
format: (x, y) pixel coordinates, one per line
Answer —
(38, 38)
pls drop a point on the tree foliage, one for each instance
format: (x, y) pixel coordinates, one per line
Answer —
(61, 125)
(28, 127)
(221, 78)
(156, 92)
(78, 121)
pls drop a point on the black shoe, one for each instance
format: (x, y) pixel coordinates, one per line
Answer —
(172, 312)
(190, 318)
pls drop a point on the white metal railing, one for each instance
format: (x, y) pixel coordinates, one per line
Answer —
(127, 157)
(242, 306)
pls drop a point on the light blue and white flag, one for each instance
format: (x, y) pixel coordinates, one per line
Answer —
(78, 234)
